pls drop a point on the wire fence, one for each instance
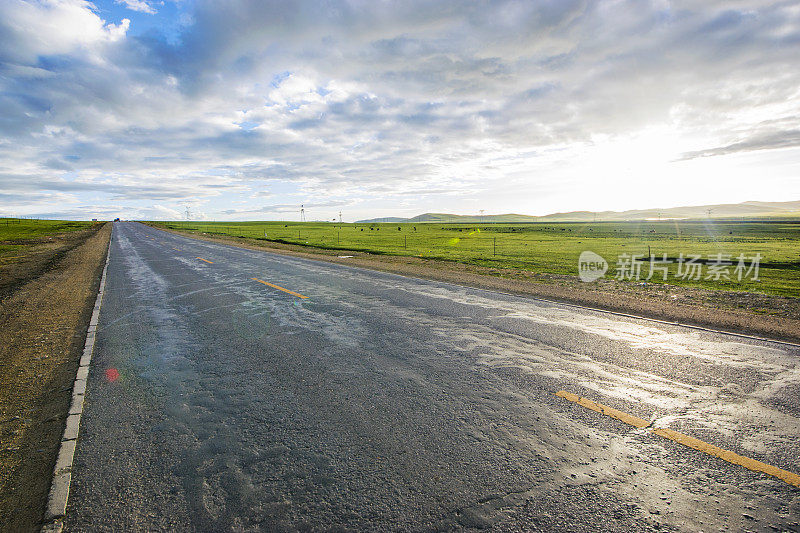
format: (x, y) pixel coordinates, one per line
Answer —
(548, 248)
(8, 221)
(467, 243)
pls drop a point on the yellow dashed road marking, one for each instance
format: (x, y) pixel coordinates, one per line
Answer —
(206, 260)
(634, 421)
(680, 438)
(279, 288)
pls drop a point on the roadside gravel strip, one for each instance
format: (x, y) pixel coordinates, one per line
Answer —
(62, 473)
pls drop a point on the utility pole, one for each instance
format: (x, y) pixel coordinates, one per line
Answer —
(188, 214)
(302, 213)
(340, 217)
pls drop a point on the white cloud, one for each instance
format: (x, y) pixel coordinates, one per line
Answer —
(428, 105)
(29, 30)
(139, 5)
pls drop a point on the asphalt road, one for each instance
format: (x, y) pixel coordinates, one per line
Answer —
(378, 402)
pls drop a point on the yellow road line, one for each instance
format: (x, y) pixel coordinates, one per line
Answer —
(176, 249)
(13, 257)
(731, 457)
(206, 260)
(279, 288)
(605, 410)
(680, 438)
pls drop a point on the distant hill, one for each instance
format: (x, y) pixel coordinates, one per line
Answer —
(385, 219)
(444, 217)
(717, 211)
(450, 218)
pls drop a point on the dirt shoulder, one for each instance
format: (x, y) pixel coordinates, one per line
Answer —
(37, 255)
(774, 317)
(44, 315)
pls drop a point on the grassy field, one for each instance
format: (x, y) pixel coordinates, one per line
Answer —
(555, 247)
(15, 231)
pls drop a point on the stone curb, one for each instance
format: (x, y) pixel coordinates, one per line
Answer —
(62, 473)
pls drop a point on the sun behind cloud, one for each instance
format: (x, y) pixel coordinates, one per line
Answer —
(394, 109)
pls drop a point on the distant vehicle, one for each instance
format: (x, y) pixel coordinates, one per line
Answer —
(116, 219)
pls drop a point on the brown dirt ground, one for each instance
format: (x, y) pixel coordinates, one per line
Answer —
(775, 317)
(45, 306)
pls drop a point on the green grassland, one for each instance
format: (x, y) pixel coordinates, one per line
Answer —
(554, 247)
(18, 233)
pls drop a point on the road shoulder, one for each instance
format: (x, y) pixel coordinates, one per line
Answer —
(44, 325)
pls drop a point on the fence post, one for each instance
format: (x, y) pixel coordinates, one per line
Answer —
(494, 246)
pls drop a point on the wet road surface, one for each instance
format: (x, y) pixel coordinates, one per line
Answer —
(359, 400)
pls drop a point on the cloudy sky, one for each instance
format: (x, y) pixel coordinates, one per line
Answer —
(247, 109)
